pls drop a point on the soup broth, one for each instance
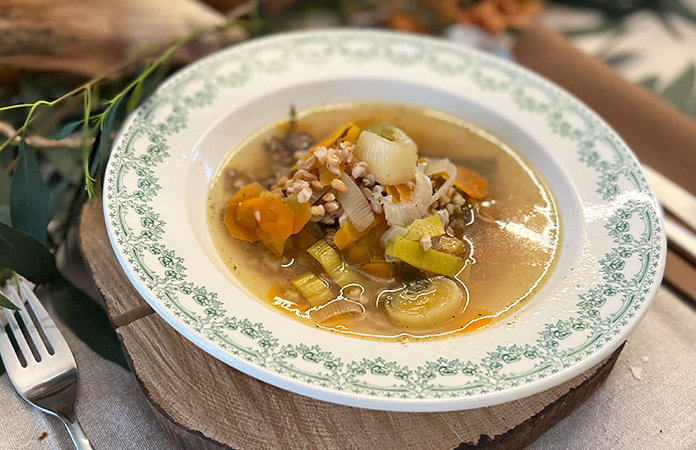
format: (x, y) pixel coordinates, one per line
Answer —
(510, 237)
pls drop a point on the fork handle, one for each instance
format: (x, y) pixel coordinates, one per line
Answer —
(77, 434)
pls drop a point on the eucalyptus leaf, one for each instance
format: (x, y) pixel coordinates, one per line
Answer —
(87, 320)
(7, 303)
(677, 92)
(29, 196)
(26, 256)
(67, 129)
(134, 98)
(94, 155)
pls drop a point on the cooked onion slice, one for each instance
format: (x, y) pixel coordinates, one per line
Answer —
(435, 305)
(451, 178)
(390, 161)
(434, 166)
(355, 204)
(407, 211)
(335, 308)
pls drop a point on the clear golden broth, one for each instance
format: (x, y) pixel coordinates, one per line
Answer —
(513, 255)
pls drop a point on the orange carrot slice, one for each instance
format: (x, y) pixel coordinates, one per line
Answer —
(473, 184)
(335, 136)
(245, 230)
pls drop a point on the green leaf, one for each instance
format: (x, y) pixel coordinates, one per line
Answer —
(26, 256)
(87, 320)
(69, 128)
(649, 83)
(134, 98)
(677, 92)
(29, 196)
(7, 303)
(94, 155)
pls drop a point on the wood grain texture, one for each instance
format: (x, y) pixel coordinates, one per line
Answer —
(202, 403)
(123, 303)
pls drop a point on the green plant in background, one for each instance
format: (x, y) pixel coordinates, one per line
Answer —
(681, 92)
(47, 173)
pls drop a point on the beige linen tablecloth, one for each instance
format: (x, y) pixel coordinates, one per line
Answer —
(648, 401)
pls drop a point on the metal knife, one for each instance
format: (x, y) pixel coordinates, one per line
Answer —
(680, 203)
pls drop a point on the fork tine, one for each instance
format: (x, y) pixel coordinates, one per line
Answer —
(54, 336)
(6, 349)
(19, 337)
(28, 322)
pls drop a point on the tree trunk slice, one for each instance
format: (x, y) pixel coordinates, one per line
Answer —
(201, 403)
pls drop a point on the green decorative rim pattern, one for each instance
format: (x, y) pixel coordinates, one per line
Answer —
(631, 267)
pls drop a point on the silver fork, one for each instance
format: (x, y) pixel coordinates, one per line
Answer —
(43, 372)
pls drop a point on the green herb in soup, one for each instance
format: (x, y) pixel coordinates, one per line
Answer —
(383, 221)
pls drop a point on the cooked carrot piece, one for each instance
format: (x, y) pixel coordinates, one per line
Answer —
(251, 190)
(473, 184)
(399, 192)
(357, 254)
(381, 269)
(275, 221)
(302, 213)
(405, 192)
(335, 136)
(348, 234)
(352, 134)
(236, 229)
(246, 229)
(245, 213)
(394, 192)
(326, 176)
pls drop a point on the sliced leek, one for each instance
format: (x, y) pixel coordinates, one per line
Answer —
(338, 307)
(441, 301)
(316, 290)
(355, 204)
(429, 260)
(432, 226)
(391, 161)
(332, 263)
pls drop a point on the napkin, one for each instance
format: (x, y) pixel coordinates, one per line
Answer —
(661, 136)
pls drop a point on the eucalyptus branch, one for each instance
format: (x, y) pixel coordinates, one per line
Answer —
(39, 141)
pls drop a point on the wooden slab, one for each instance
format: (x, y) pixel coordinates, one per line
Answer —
(202, 403)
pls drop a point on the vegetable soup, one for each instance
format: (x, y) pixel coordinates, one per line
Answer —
(383, 221)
